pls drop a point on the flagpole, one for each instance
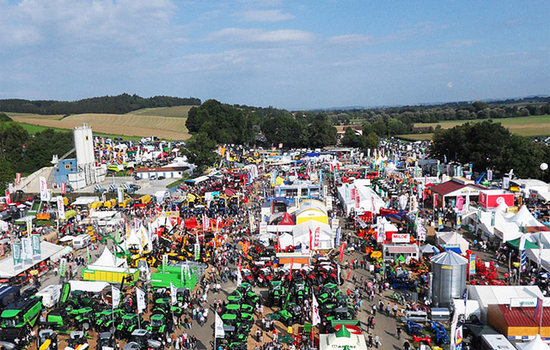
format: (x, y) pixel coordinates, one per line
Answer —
(541, 316)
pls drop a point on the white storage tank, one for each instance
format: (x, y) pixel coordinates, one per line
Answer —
(449, 278)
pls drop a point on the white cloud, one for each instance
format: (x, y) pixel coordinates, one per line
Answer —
(352, 39)
(245, 36)
(461, 43)
(265, 16)
(58, 22)
(450, 85)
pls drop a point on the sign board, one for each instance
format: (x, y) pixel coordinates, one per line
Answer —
(401, 238)
(36, 249)
(328, 202)
(528, 302)
(492, 199)
(44, 193)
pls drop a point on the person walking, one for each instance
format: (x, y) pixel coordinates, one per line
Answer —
(398, 333)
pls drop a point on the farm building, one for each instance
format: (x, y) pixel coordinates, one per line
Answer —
(168, 172)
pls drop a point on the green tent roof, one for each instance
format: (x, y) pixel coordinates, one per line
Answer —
(528, 244)
(343, 332)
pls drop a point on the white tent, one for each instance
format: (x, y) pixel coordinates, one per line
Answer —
(285, 240)
(533, 255)
(342, 339)
(506, 230)
(3, 226)
(524, 218)
(301, 234)
(107, 259)
(453, 238)
(535, 344)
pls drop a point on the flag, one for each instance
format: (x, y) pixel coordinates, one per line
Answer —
(141, 306)
(316, 317)
(219, 332)
(116, 296)
(173, 294)
(239, 278)
(538, 310)
(341, 255)
(17, 178)
(8, 197)
(349, 271)
(291, 267)
(63, 190)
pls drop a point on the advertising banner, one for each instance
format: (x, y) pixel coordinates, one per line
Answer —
(36, 249)
(44, 192)
(472, 266)
(27, 250)
(60, 208)
(17, 253)
(401, 238)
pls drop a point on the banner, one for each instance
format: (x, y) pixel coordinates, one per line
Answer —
(349, 271)
(458, 221)
(27, 250)
(8, 197)
(17, 178)
(472, 266)
(17, 253)
(316, 238)
(60, 208)
(197, 251)
(218, 329)
(458, 337)
(29, 225)
(63, 189)
(36, 249)
(116, 296)
(62, 267)
(173, 294)
(358, 200)
(44, 193)
(337, 240)
(334, 225)
(120, 195)
(316, 318)
(341, 255)
(164, 262)
(141, 305)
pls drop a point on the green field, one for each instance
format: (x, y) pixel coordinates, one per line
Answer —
(524, 126)
(416, 137)
(176, 111)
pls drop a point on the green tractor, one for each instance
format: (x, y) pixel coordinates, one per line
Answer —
(82, 317)
(275, 294)
(159, 326)
(22, 314)
(162, 305)
(246, 292)
(127, 325)
(300, 292)
(104, 319)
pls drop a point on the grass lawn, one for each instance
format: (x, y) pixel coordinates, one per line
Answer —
(416, 137)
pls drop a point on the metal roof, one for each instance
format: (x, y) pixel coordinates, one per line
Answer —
(524, 316)
(449, 258)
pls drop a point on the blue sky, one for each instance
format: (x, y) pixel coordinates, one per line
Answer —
(288, 54)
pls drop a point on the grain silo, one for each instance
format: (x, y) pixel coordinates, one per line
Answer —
(449, 277)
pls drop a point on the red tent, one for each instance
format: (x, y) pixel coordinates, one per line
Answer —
(287, 220)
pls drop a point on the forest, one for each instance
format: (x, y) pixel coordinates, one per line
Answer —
(120, 104)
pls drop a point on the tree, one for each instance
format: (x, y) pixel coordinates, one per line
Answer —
(12, 142)
(200, 151)
(372, 140)
(351, 139)
(7, 174)
(379, 128)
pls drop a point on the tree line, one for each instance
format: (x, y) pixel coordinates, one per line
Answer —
(226, 124)
(120, 104)
(400, 120)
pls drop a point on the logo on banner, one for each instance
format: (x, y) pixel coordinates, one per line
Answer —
(63, 188)
(17, 178)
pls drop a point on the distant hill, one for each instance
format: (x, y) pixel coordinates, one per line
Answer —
(120, 104)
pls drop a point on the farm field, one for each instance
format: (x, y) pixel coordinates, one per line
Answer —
(524, 126)
(176, 111)
(135, 125)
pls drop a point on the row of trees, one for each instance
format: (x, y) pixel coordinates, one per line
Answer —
(106, 104)
(489, 145)
(261, 126)
(24, 153)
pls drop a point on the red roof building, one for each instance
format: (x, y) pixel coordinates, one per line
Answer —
(518, 322)
(457, 187)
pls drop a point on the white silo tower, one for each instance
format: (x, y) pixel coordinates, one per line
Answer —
(84, 145)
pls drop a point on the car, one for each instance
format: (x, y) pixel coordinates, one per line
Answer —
(161, 177)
